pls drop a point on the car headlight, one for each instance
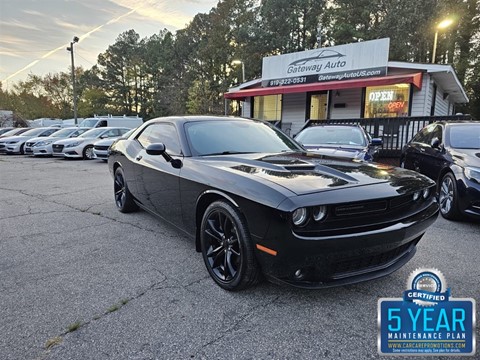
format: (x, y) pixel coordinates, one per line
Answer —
(12, 142)
(299, 216)
(416, 195)
(76, 143)
(43, 143)
(472, 173)
(425, 193)
(319, 213)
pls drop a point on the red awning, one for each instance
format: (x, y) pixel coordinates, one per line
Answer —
(415, 79)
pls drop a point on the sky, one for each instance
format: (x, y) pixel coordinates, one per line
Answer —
(34, 34)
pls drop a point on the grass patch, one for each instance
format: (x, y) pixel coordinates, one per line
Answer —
(74, 326)
(57, 340)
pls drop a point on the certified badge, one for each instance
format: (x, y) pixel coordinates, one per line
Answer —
(427, 320)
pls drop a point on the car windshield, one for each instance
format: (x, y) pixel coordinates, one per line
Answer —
(92, 133)
(331, 136)
(14, 132)
(33, 132)
(465, 136)
(235, 137)
(63, 133)
(88, 123)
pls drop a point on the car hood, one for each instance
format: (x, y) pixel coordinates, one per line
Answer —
(72, 140)
(105, 142)
(36, 139)
(466, 157)
(343, 152)
(305, 173)
(15, 138)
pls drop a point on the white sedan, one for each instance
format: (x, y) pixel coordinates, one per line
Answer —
(16, 144)
(82, 146)
(43, 146)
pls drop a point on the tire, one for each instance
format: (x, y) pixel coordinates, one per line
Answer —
(22, 149)
(123, 198)
(227, 248)
(402, 163)
(88, 153)
(448, 196)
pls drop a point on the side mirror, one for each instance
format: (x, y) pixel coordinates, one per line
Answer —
(376, 142)
(160, 149)
(436, 143)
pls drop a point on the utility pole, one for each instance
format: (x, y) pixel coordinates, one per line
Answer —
(75, 40)
(319, 35)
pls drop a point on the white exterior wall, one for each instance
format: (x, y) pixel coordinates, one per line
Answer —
(441, 105)
(352, 98)
(293, 112)
(422, 99)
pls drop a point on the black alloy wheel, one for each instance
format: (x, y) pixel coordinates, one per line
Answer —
(123, 198)
(448, 197)
(88, 153)
(227, 247)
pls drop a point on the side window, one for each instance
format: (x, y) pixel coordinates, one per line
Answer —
(102, 123)
(425, 136)
(161, 133)
(111, 133)
(48, 132)
(437, 133)
(122, 131)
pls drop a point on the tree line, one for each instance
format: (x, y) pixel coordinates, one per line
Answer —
(188, 71)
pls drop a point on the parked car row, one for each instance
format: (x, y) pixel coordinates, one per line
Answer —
(73, 142)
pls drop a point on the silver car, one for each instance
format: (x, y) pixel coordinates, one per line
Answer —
(43, 146)
(82, 146)
(16, 144)
(100, 147)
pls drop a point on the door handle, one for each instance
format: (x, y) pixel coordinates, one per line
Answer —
(139, 157)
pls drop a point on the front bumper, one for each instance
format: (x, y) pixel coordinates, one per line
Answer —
(73, 152)
(13, 148)
(42, 150)
(321, 262)
(100, 154)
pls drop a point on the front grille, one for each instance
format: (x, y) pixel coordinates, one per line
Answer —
(360, 208)
(98, 147)
(366, 262)
(57, 148)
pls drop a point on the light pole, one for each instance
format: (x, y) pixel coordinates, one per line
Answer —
(442, 25)
(237, 62)
(70, 48)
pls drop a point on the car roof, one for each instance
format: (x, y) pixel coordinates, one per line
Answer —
(189, 118)
(457, 122)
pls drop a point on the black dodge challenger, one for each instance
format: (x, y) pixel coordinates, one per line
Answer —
(257, 203)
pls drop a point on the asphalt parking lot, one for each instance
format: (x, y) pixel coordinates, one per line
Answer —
(79, 280)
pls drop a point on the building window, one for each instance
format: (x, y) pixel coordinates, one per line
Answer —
(387, 101)
(267, 107)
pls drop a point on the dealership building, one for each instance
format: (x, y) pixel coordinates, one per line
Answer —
(352, 81)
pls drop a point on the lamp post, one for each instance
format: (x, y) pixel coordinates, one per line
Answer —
(70, 48)
(237, 62)
(442, 25)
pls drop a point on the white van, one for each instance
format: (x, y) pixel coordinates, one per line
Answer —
(130, 122)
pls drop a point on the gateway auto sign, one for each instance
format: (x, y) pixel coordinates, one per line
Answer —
(343, 62)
